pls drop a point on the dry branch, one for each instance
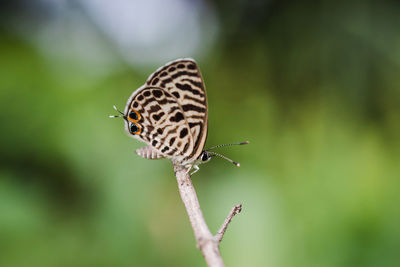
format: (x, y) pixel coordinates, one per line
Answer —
(206, 242)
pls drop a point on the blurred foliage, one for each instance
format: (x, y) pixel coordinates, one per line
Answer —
(314, 87)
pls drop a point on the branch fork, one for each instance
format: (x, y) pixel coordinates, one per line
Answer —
(206, 242)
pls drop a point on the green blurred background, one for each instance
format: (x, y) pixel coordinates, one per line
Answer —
(314, 87)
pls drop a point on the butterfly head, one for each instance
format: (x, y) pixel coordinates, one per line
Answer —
(205, 156)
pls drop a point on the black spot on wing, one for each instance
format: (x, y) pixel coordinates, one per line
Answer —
(183, 132)
(155, 81)
(185, 148)
(154, 108)
(176, 94)
(172, 152)
(148, 100)
(187, 87)
(157, 93)
(134, 128)
(193, 124)
(158, 116)
(177, 118)
(167, 80)
(186, 73)
(197, 84)
(173, 109)
(188, 107)
(163, 101)
(133, 115)
(202, 102)
(171, 141)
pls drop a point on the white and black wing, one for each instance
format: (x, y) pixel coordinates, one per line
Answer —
(182, 79)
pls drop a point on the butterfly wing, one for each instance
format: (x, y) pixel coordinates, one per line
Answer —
(155, 117)
(182, 79)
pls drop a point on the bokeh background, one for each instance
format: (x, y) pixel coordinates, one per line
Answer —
(315, 88)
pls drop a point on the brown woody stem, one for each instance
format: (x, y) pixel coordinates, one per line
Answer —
(206, 242)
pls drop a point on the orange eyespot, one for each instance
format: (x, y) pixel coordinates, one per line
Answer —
(133, 116)
(134, 128)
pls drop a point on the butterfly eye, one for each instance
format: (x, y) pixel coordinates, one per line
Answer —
(205, 156)
(134, 129)
(133, 116)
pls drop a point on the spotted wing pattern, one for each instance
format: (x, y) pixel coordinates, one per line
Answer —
(161, 124)
(182, 79)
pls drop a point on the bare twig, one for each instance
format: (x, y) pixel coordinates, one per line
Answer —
(235, 210)
(206, 242)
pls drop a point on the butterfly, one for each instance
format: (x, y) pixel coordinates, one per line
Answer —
(170, 114)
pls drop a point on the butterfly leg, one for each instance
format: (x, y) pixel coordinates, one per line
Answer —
(196, 168)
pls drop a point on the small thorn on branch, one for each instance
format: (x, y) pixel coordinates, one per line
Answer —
(235, 210)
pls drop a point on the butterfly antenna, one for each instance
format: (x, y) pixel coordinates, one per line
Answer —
(242, 143)
(222, 156)
(117, 116)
